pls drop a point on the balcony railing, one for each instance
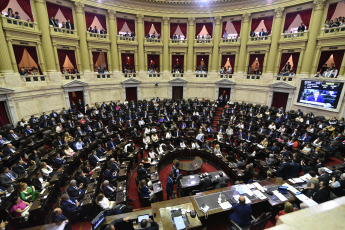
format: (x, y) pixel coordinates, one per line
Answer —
(294, 36)
(203, 41)
(62, 30)
(103, 75)
(34, 78)
(177, 74)
(153, 40)
(71, 76)
(222, 75)
(230, 40)
(154, 74)
(178, 41)
(126, 75)
(7, 22)
(333, 31)
(96, 36)
(284, 78)
(260, 39)
(253, 76)
(199, 75)
(126, 39)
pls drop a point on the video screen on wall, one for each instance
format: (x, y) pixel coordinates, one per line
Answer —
(320, 93)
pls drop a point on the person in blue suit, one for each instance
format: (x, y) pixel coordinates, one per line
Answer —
(70, 204)
(241, 213)
(316, 97)
(170, 187)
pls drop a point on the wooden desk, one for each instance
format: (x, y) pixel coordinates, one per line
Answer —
(162, 211)
(190, 166)
(120, 186)
(194, 180)
(132, 215)
(273, 184)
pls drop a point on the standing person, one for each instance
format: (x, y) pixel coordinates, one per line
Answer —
(170, 187)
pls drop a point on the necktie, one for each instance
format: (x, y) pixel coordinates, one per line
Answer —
(10, 176)
(96, 158)
(71, 202)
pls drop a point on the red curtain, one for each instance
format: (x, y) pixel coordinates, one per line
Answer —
(33, 53)
(95, 56)
(255, 23)
(305, 16)
(120, 22)
(127, 59)
(89, 17)
(199, 58)
(279, 100)
(131, 94)
(179, 59)
(325, 55)
(26, 7)
(3, 115)
(106, 60)
(18, 53)
(338, 58)
(331, 10)
(209, 28)
(155, 59)
(131, 25)
(62, 57)
(295, 58)
(268, 23)
(54, 8)
(148, 26)
(261, 58)
(237, 25)
(290, 17)
(198, 28)
(183, 27)
(231, 60)
(3, 4)
(283, 60)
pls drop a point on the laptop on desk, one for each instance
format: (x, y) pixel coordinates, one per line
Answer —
(98, 220)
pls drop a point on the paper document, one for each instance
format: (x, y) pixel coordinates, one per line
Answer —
(226, 205)
(247, 190)
(260, 194)
(280, 196)
(102, 159)
(298, 180)
(251, 186)
(258, 186)
(291, 189)
(179, 223)
(306, 200)
(42, 191)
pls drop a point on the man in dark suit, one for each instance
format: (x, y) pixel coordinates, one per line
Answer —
(249, 137)
(108, 190)
(220, 181)
(144, 225)
(70, 204)
(58, 143)
(20, 168)
(119, 222)
(325, 177)
(294, 169)
(242, 212)
(316, 97)
(52, 21)
(12, 136)
(170, 187)
(262, 33)
(9, 150)
(109, 174)
(287, 67)
(283, 169)
(28, 130)
(205, 183)
(323, 194)
(7, 177)
(59, 160)
(76, 191)
(301, 28)
(93, 158)
(58, 217)
(69, 25)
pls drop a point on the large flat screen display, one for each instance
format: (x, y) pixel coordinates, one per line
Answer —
(320, 93)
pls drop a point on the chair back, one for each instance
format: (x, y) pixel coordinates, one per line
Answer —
(261, 222)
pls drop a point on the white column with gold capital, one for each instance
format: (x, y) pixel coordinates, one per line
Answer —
(140, 37)
(243, 48)
(81, 24)
(113, 38)
(166, 38)
(190, 53)
(216, 39)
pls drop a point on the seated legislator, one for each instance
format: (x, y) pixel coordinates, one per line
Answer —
(70, 205)
(7, 177)
(20, 207)
(241, 214)
(58, 217)
(76, 191)
(28, 193)
(321, 195)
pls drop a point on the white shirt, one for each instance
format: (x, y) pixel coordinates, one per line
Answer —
(183, 145)
(195, 145)
(79, 145)
(104, 203)
(272, 126)
(152, 155)
(46, 171)
(141, 122)
(146, 140)
(317, 144)
(167, 135)
(200, 137)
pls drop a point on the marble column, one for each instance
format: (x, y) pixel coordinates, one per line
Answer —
(190, 52)
(314, 30)
(243, 40)
(275, 36)
(12, 56)
(140, 37)
(41, 58)
(216, 39)
(81, 26)
(5, 59)
(166, 39)
(113, 42)
(47, 47)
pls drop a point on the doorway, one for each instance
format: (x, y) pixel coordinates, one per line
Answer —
(177, 92)
(131, 94)
(77, 98)
(4, 118)
(279, 100)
